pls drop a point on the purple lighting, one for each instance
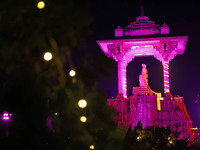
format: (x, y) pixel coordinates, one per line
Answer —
(145, 105)
(6, 116)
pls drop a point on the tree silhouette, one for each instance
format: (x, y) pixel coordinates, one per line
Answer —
(41, 94)
(157, 138)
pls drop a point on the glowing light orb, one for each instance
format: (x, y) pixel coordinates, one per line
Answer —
(72, 73)
(83, 119)
(138, 138)
(82, 103)
(40, 5)
(91, 146)
(6, 116)
(48, 56)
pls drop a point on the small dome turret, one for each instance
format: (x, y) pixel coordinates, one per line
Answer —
(164, 29)
(118, 32)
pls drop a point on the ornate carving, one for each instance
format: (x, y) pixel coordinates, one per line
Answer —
(112, 48)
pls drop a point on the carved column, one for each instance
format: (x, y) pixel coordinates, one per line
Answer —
(166, 76)
(122, 82)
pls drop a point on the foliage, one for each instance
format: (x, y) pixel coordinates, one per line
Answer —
(41, 93)
(157, 138)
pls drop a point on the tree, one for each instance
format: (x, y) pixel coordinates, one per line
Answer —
(157, 138)
(40, 92)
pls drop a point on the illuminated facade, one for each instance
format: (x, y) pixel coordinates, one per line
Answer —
(144, 38)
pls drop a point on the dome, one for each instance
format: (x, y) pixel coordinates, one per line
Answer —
(144, 26)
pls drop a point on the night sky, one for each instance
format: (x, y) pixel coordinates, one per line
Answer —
(183, 18)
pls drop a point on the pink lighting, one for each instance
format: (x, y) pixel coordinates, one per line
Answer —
(142, 26)
(145, 105)
(6, 116)
(125, 50)
(122, 84)
(166, 76)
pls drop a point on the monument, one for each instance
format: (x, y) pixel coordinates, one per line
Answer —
(144, 38)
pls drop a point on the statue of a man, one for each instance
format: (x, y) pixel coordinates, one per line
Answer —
(143, 77)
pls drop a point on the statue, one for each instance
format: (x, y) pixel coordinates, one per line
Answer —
(143, 77)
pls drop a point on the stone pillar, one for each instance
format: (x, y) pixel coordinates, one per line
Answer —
(166, 76)
(122, 83)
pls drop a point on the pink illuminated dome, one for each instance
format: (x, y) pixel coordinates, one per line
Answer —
(142, 26)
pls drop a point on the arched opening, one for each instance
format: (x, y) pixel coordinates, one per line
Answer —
(155, 73)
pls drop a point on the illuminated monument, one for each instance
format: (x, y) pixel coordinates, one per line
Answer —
(144, 38)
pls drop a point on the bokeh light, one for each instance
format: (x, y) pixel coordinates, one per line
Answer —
(82, 103)
(83, 119)
(91, 146)
(6, 116)
(48, 56)
(40, 5)
(72, 73)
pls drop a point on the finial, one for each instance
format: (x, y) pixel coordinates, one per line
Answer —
(142, 10)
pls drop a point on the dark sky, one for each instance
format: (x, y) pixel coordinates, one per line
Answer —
(182, 17)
